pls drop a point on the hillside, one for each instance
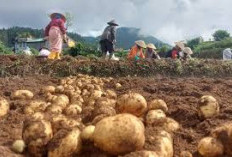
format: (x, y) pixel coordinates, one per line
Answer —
(125, 36)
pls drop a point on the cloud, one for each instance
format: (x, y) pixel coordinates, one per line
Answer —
(168, 20)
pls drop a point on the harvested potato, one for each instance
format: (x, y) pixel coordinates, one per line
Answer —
(119, 134)
(54, 109)
(158, 104)
(132, 103)
(61, 100)
(224, 134)
(107, 110)
(96, 94)
(18, 146)
(65, 143)
(59, 89)
(144, 153)
(4, 107)
(161, 141)
(110, 94)
(171, 125)
(208, 107)
(22, 94)
(50, 97)
(186, 154)
(118, 85)
(155, 116)
(210, 147)
(36, 135)
(105, 102)
(73, 110)
(76, 98)
(87, 133)
(35, 106)
(38, 116)
(48, 89)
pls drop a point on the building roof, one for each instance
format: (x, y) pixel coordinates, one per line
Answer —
(29, 40)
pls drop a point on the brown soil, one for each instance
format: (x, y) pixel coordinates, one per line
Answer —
(181, 95)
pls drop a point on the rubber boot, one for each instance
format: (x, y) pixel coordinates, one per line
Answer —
(111, 55)
(58, 55)
(52, 55)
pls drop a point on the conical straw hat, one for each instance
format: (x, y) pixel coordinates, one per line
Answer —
(141, 43)
(151, 46)
(180, 45)
(188, 50)
(112, 22)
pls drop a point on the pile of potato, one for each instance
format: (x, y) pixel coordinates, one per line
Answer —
(80, 110)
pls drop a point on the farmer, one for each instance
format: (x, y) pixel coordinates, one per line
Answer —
(108, 39)
(186, 54)
(150, 52)
(55, 32)
(227, 54)
(174, 53)
(136, 51)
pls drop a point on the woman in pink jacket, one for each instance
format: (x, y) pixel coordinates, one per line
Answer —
(55, 32)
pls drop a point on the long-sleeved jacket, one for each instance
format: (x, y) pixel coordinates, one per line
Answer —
(135, 52)
(109, 34)
(57, 23)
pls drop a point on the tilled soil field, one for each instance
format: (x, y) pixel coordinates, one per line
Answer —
(180, 94)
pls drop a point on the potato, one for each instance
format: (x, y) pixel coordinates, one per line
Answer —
(87, 133)
(118, 86)
(36, 135)
(185, 154)
(76, 98)
(119, 134)
(161, 141)
(48, 89)
(4, 107)
(142, 154)
(105, 102)
(208, 107)
(38, 116)
(210, 147)
(224, 134)
(107, 110)
(171, 125)
(22, 94)
(155, 116)
(54, 109)
(50, 97)
(59, 89)
(73, 110)
(35, 106)
(96, 94)
(65, 143)
(132, 103)
(158, 104)
(61, 100)
(110, 94)
(6, 152)
(18, 146)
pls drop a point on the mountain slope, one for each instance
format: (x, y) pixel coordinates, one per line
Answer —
(127, 36)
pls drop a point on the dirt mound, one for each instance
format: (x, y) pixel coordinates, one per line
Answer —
(26, 65)
(181, 95)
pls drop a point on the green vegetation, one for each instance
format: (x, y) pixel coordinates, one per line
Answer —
(221, 35)
(4, 49)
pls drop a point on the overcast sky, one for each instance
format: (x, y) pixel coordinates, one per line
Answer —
(168, 20)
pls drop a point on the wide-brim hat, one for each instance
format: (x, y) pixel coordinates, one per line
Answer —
(188, 50)
(141, 43)
(151, 46)
(53, 15)
(112, 22)
(180, 45)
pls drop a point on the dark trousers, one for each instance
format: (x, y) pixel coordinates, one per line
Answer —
(106, 45)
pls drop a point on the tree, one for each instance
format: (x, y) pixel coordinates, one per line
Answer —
(220, 35)
(194, 42)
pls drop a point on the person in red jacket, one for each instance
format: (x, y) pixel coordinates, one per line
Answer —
(177, 49)
(55, 32)
(136, 51)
